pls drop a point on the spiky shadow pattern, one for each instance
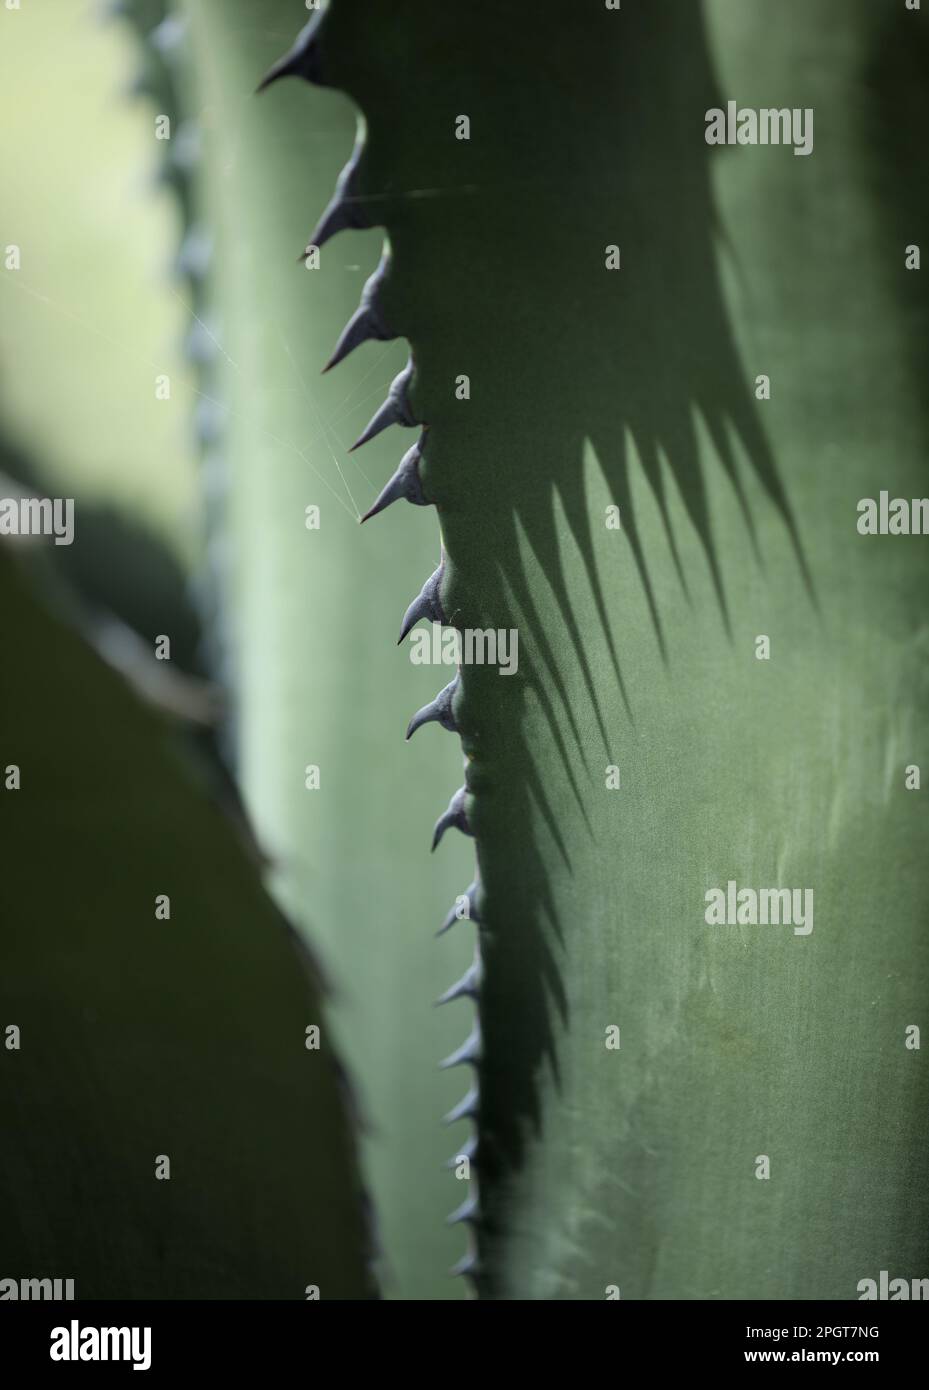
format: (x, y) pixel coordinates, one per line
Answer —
(555, 171)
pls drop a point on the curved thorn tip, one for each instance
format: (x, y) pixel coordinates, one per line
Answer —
(404, 483)
(396, 410)
(301, 61)
(344, 211)
(454, 916)
(465, 1109)
(469, 1053)
(455, 816)
(438, 711)
(426, 604)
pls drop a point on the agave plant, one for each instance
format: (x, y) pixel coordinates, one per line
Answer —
(656, 372)
(692, 706)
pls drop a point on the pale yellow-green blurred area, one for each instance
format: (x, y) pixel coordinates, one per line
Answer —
(94, 315)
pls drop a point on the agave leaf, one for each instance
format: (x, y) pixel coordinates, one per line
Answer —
(640, 1169)
(315, 616)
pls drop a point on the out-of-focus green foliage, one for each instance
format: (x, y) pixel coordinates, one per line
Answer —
(130, 1036)
(95, 312)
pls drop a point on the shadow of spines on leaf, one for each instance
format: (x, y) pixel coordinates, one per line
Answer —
(586, 132)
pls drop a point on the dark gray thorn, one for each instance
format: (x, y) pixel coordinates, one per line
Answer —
(466, 1109)
(396, 410)
(468, 1264)
(467, 1150)
(404, 483)
(344, 211)
(426, 604)
(469, 1210)
(302, 60)
(367, 322)
(439, 711)
(453, 917)
(364, 326)
(469, 986)
(455, 816)
(469, 1053)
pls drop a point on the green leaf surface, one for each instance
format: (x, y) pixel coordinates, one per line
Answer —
(637, 1168)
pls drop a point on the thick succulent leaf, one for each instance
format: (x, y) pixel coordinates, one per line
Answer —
(640, 1168)
(128, 1038)
(316, 615)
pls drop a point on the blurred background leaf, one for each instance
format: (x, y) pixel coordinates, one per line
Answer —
(92, 317)
(140, 1038)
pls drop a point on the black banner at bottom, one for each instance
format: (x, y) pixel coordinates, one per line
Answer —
(162, 1339)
